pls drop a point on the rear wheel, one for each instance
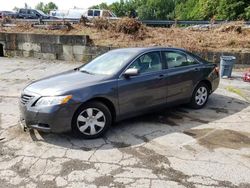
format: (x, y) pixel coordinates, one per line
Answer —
(92, 120)
(200, 96)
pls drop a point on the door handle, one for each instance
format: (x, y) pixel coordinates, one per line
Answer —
(160, 77)
(196, 69)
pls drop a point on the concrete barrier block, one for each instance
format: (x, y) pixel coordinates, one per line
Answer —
(49, 56)
(20, 46)
(38, 55)
(73, 40)
(10, 37)
(11, 45)
(23, 37)
(10, 53)
(68, 53)
(49, 39)
(19, 53)
(2, 36)
(31, 47)
(26, 54)
(51, 48)
(79, 57)
(78, 50)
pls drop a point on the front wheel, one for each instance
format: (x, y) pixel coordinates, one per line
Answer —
(91, 120)
(200, 96)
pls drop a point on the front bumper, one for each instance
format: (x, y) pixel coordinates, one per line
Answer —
(56, 119)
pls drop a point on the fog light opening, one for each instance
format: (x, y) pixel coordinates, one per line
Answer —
(43, 125)
(1, 50)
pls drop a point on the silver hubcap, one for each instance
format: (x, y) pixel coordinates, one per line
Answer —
(201, 96)
(91, 121)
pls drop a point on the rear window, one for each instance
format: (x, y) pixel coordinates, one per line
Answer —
(97, 13)
(90, 12)
(200, 59)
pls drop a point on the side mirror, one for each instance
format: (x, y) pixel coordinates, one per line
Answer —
(131, 72)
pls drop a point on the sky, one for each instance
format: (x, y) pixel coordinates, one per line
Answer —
(62, 4)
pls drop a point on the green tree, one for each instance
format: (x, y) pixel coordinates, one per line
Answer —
(206, 9)
(156, 9)
(247, 13)
(46, 8)
(182, 9)
(50, 6)
(40, 6)
(232, 9)
(100, 6)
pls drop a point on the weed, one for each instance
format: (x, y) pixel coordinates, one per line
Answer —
(237, 91)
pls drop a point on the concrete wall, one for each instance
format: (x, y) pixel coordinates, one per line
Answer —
(50, 47)
(74, 48)
(242, 58)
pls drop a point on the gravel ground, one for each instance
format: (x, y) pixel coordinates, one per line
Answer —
(176, 147)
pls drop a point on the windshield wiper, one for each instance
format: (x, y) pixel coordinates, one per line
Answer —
(87, 72)
(76, 69)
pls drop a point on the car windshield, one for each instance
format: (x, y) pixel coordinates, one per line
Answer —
(42, 13)
(109, 63)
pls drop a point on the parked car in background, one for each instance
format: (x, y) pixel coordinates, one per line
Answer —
(77, 13)
(120, 84)
(30, 14)
(6, 14)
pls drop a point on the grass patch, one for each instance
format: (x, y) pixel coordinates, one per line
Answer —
(237, 92)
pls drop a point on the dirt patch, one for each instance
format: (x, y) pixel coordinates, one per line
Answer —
(120, 145)
(166, 120)
(174, 175)
(220, 110)
(196, 119)
(104, 180)
(151, 160)
(72, 165)
(213, 139)
(46, 184)
(147, 157)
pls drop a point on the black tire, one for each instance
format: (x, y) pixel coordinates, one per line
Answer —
(105, 119)
(195, 103)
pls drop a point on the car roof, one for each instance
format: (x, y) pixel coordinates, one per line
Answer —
(145, 49)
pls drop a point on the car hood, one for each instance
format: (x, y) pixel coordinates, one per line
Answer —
(63, 83)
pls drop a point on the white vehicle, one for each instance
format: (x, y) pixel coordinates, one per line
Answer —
(76, 13)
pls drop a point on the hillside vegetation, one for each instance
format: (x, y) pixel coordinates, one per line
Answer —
(128, 32)
(182, 9)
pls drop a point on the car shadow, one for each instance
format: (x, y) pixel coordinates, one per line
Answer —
(143, 129)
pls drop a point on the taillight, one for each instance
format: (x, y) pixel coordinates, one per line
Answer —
(217, 69)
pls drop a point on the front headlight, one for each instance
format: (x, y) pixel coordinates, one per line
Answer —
(52, 101)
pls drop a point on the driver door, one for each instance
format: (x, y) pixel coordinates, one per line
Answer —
(146, 90)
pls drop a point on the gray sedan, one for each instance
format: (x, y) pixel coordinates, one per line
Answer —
(117, 85)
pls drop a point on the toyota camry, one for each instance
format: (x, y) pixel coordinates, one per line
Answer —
(119, 84)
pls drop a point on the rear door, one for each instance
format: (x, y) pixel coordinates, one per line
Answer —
(183, 72)
(146, 90)
(22, 13)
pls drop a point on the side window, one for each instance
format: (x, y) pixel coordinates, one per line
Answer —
(149, 62)
(106, 13)
(97, 13)
(175, 59)
(90, 12)
(34, 12)
(22, 11)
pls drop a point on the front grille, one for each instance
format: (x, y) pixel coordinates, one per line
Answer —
(25, 99)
